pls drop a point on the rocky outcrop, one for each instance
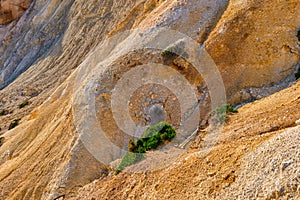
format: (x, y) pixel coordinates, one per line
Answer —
(39, 53)
(255, 158)
(11, 10)
(43, 54)
(255, 46)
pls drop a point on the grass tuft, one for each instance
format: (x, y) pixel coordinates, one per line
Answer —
(153, 137)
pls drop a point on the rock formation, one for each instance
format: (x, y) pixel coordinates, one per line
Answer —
(11, 10)
(49, 54)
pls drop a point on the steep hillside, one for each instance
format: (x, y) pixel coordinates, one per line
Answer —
(68, 58)
(257, 157)
(51, 41)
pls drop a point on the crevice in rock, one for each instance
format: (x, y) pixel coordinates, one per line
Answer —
(278, 128)
(209, 29)
(248, 95)
(297, 71)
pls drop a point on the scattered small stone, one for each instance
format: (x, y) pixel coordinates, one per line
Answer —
(286, 164)
(7, 153)
(211, 174)
(297, 122)
(281, 191)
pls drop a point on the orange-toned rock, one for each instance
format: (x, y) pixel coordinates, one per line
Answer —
(12, 9)
(255, 44)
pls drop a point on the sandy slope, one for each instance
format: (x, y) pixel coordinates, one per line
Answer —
(247, 163)
(43, 158)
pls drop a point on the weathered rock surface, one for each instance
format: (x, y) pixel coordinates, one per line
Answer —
(255, 45)
(257, 157)
(11, 10)
(39, 52)
(270, 171)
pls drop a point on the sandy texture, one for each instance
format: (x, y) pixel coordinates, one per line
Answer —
(255, 46)
(256, 158)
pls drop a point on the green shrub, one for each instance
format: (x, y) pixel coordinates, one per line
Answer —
(161, 128)
(25, 103)
(131, 146)
(128, 159)
(220, 114)
(230, 109)
(13, 124)
(153, 137)
(167, 53)
(4, 112)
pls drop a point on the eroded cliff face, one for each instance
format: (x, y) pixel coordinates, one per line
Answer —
(256, 157)
(253, 44)
(50, 42)
(260, 43)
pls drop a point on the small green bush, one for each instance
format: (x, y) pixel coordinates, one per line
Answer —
(4, 112)
(153, 137)
(13, 124)
(230, 109)
(24, 104)
(128, 159)
(167, 53)
(220, 114)
(131, 146)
